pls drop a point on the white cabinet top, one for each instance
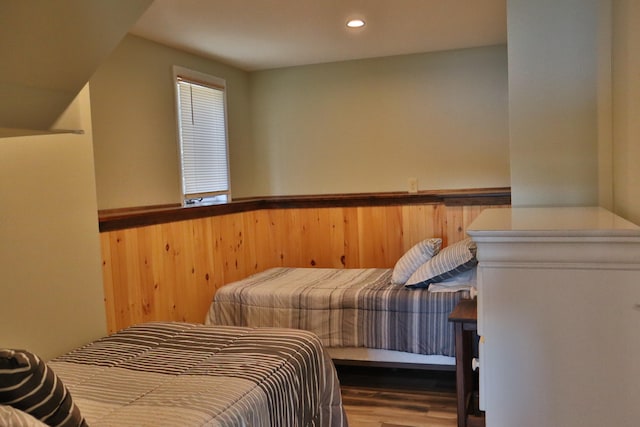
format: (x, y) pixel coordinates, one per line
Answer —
(548, 237)
(560, 221)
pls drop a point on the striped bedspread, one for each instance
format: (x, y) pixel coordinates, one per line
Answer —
(178, 374)
(344, 307)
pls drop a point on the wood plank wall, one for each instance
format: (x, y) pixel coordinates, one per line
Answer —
(171, 271)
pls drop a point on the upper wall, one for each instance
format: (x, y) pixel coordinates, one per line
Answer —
(626, 108)
(50, 277)
(370, 125)
(134, 122)
(554, 83)
(355, 126)
(566, 138)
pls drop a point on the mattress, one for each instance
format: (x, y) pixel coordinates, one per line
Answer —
(355, 308)
(179, 374)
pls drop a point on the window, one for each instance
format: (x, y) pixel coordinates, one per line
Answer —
(202, 135)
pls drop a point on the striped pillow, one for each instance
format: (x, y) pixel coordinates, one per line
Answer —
(28, 384)
(414, 258)
(452, 260)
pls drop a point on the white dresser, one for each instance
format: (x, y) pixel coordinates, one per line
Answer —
(559, 317)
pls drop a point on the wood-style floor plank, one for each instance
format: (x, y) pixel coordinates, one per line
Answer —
(376, 397)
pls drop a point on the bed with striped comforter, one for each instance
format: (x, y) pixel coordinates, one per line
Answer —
(181, 374)
(344, 307)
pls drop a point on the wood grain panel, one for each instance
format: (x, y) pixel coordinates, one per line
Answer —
(231, 246)
(108, 281)
(170, 271)
(351, 238)
(419, 222)
(379, 236)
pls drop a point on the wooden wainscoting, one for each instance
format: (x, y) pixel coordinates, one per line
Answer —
(171, 270)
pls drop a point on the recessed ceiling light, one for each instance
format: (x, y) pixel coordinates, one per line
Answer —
(355, 23)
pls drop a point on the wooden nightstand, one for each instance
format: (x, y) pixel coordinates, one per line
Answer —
(465, 317)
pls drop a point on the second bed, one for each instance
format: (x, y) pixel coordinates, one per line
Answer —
(359, 314)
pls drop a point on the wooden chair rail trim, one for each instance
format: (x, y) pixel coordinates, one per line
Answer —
(118, 219)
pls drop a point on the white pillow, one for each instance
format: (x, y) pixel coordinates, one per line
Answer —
(10, 416)
(414, 258)
(465, 277)
(465, 281)
(449, 262)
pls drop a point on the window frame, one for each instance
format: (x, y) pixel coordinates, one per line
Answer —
(212, 82)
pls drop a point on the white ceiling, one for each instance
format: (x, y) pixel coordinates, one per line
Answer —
(263, 34)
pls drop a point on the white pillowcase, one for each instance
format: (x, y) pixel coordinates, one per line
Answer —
(416, 256)
(465, 281)
(10, 416)
(450, 261)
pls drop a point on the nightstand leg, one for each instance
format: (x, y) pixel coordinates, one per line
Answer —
(464, 372)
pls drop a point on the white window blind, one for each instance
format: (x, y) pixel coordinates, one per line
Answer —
(203, 139)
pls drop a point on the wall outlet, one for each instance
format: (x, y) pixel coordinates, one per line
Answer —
(413, 185)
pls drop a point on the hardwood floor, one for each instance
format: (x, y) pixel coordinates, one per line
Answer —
(382, 397)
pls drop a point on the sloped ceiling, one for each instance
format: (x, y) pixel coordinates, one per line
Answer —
(49, 50)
